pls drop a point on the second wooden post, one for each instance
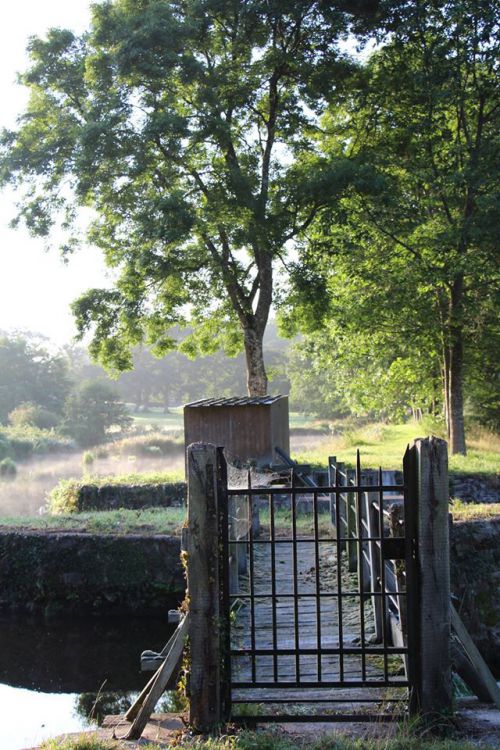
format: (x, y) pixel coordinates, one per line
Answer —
(203, 588)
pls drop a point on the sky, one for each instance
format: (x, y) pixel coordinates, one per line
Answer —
(36, 287)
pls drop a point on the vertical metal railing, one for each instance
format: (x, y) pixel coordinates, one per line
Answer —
(322, 607)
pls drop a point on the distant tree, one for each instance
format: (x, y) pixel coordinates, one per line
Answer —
(181, 124)
(92, 410)
(30, 373)
(28, 414)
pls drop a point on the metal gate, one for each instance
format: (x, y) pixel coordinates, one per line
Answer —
(318, 598)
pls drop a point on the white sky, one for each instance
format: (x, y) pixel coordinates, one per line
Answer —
(36, 288)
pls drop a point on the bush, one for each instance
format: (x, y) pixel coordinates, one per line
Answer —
(88, 458)
(33, 415)
(8, 468)
(20, 443)
(64, 497)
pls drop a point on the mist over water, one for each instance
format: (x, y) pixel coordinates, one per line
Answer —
(26, 494)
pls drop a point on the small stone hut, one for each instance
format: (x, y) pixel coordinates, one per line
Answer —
(249, 428)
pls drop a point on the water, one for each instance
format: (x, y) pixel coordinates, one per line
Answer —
(53, 675)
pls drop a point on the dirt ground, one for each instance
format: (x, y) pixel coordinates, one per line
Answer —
(477, 723)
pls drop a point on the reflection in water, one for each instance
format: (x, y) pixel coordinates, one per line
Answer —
(78, 654)
(59, 675)
(94, 707)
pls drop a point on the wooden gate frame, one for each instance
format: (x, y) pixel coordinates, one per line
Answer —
(426, 477)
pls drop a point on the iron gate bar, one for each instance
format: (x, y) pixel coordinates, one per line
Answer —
(273, 584)
(316, 700)
(318, 598)
(332, 651)
(412, 601)
(285, 718)
(285, 684)
(308, 540)
(251, 578)
(331, 594)
(360, 566)
(338, 550)
(382, 570)
(293, 501)
(333, 490)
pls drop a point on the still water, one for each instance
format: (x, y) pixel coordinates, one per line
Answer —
(63, 676)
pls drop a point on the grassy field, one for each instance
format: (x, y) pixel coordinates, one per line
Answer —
(313, 440)
(157, 418)
(384, 445)
(147, 521)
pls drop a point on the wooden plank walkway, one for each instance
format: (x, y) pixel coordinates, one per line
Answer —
(305, 622)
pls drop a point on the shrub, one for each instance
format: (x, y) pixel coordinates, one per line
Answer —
(33, 415)
(23, 442)
(8, 468)
(64, 497)
(88, 458)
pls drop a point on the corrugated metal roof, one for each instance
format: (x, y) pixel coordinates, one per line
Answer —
(237, 401)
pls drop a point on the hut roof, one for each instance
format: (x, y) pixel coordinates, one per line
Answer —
(236, 401)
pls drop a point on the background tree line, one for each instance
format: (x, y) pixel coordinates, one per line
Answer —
(238, 155)
(63, 390)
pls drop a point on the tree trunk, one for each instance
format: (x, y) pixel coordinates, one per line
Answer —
(457, 427)
(446, 388)
(256, 372)
(455, 374)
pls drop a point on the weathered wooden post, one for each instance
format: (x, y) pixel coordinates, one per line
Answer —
(203, 588)
(426, 476)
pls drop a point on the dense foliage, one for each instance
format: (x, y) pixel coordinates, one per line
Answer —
(29, 372)
(182, 124)
(401, 276)
(219, 141)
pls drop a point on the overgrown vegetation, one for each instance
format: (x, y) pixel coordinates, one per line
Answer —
(149, 520)
(23, 442)
(277, 740)
(64, 497)
(474, 511)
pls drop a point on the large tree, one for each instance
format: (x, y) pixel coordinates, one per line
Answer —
(415, 260)
(179, 123)
(29, 372)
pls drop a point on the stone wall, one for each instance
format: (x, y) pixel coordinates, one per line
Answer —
(475, 581)
(475, 488)
(68, 572)
(113, 496)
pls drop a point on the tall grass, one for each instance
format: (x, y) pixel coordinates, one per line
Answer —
(277, 740)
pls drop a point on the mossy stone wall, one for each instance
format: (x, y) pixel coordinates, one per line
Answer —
(68, 572)
(475, 581)
(113, 496)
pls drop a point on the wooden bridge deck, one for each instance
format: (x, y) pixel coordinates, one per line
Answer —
(318, 628)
